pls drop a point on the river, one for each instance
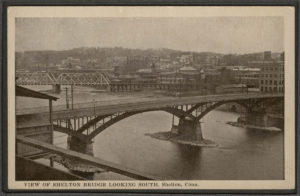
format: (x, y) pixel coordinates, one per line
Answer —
(241, 154)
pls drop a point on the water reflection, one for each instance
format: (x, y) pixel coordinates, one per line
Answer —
(190, 157)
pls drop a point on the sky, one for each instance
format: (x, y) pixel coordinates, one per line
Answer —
(214, 34)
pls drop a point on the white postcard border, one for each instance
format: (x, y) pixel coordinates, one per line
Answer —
(196, 11)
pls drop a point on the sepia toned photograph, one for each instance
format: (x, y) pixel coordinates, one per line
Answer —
(139, 101)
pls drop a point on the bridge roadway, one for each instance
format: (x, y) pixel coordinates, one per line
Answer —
(102, 108)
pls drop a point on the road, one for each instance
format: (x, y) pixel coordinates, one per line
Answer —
(140, 104)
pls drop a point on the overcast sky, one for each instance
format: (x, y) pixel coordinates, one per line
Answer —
(222, 34)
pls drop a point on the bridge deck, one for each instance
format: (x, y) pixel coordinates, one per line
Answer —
(139, 104)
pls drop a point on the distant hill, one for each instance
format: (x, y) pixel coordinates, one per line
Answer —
(94, 57)
(89, 57)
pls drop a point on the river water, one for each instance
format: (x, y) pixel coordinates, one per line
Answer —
(241, 154)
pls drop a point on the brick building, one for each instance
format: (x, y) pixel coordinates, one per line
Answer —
(272, 77)
(247, 75)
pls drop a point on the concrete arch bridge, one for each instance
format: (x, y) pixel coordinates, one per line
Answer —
(88, 120)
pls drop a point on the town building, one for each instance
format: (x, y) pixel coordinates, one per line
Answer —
(272, 77)
(147, 76)
(186, 59)
(183, 79)
(71, 63)
(132, 64)
(212, 78)
(188, 69)
(189, 78)
(251, 79)
(267, 55)
(215, 76)
(246, 75)
(205, 59)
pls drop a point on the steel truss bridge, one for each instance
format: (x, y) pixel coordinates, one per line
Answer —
(86, 121)
(63, 77)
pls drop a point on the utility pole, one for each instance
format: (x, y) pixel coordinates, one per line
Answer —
(173, 119)
(47, 63)
(72, 95)
(180, 87)
(94, 107)
(94, 113)
(67, 106)
(72, 103)
(67, 99)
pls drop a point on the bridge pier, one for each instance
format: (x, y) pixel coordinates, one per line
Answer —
(80, 168)
(187, 129)
(187, 132)
(257, 118)
(78, 145)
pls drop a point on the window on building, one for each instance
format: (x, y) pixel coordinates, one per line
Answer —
(266, 81)
(266, 89)
(275, 89)
(275, 82)
(262, 82)
(270, 81)
(270, 89)
(262, 89)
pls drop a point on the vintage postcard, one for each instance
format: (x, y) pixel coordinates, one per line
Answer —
(157, 98)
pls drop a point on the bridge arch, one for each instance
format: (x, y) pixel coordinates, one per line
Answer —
(177, 112)
(214, 106)
(174, 111)
(247, 104)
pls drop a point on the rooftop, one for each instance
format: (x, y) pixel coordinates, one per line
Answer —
(25, 92)
(149, 70)
(187, 68)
